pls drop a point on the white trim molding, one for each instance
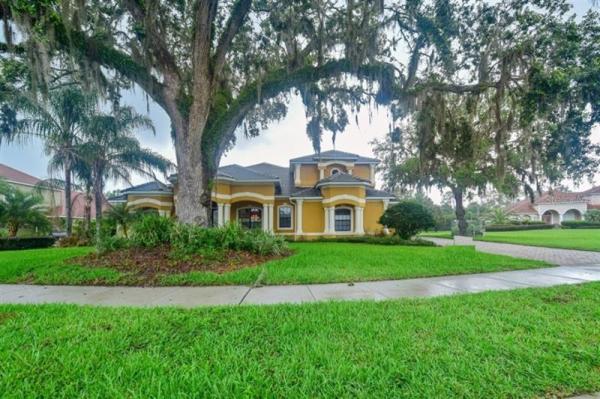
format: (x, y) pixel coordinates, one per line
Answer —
(344, 197)
(243, 194)
(149, 201)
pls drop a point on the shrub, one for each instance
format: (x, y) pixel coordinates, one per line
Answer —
(151, 231)
(17, 243)
(379, 240)
(188, 240)
(111, 243)
(517, 227)
(593, 215)
(407, 218)
(580, 224)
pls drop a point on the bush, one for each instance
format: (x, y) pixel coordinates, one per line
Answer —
(188, 240)
(17, 243)
(107, 244)
(407, 218)
(580, 224)
(151, 231)
(593, 215)
(517, 227)
(379, 240)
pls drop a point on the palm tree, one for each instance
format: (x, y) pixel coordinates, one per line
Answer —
(59, 121)
(19, 209)
(112, 152)
(123, 216)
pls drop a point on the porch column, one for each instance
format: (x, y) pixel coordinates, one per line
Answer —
(359, 222)
(299, 216)
(271, 217)
(264, 217)
(220, 220)
(386, 204)
(326, 224)
(332, 219)
(226, 213)
(321, 173)
(372, 173)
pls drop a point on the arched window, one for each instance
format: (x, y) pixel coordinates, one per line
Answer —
(343, 219)
(335, 171)
(285, 217)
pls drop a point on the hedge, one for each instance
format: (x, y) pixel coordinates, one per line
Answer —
(8, 244)
(518, 227)
(580, 224)
(379, 240)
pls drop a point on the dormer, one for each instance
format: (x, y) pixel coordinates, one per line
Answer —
(310, 169)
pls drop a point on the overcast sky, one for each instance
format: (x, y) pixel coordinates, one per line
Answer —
(280, 142)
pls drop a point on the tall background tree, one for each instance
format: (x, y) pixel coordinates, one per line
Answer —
(218, 66)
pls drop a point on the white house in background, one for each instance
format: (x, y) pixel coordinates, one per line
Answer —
(553, 207)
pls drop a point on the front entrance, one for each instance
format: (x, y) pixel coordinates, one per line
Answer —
(250, 217)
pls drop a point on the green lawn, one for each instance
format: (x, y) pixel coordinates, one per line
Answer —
(437, 234)
(519, 344)
(311, 263)
(585, 239)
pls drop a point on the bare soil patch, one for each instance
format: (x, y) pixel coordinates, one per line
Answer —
(148, 263)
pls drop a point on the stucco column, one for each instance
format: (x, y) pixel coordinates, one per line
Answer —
(299, 216)
(226, 213)
(271, 217)
(297, 174)
(326, 223)
(372, 173)
(220, 221)
(265, 217)
(332, 219)
(359, 222)
(321, 173)
(386, 204)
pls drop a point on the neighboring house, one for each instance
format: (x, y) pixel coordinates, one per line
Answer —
(554, 207)
(326, 194)
(54, 200)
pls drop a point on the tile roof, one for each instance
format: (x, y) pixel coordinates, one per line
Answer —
(591, 191)
(334, 155)
(238, 172)
(521, 207)
(280, 172)
(552, 197)
(306, 192)
(14, 175)
(152, 186)
(342, 178)
(370, 192)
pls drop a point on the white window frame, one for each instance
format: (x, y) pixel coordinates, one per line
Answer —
(351, 209)
(291, 217)
(336, 169)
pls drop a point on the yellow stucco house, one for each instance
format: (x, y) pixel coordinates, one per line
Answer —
(328, 194)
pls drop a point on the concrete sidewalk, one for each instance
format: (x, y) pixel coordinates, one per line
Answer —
(235, 295)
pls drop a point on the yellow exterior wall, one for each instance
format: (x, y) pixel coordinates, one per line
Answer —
(278, 203)
(362, 171)
(222, 188)
(147, 201)
(333, 191)
(372, 213)
(313, 217)
(309, 175)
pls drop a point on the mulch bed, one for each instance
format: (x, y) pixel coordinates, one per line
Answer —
(150, 262)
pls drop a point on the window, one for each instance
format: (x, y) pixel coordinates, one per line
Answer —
(334, 171)
(343, 219)
(285, 217)
(215, 215)
(250, 218)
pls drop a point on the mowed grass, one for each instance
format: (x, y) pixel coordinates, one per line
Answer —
(584, 239)
(518, 344)
(437, 234)
(311, 263)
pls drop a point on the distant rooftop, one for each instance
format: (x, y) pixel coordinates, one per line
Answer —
(333, 155)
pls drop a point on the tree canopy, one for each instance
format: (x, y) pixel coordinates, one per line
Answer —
(218, 66)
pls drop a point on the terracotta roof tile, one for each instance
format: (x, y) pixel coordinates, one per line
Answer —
(14, 175)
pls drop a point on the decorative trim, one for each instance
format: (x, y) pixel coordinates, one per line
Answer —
(243, 194)
(343, 184)
(149, 201)
(344, 197)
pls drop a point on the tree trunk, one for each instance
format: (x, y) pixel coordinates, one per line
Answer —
(13, 229)
(68, 203)
(460, 211)
(87, 211)
(192, 188)
(98, 186)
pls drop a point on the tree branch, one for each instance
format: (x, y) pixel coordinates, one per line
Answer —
(238, 14)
